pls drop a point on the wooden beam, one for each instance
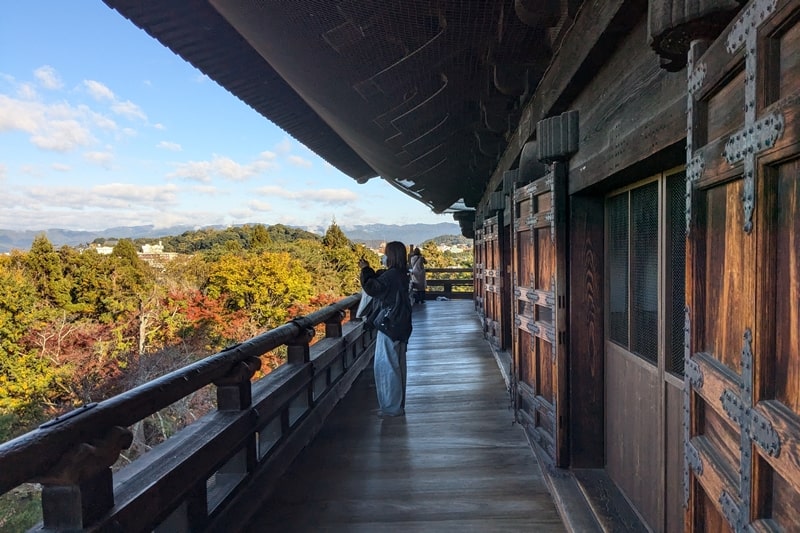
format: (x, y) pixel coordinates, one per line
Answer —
(591, 23)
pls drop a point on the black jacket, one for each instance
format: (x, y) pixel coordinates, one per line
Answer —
(384, 287)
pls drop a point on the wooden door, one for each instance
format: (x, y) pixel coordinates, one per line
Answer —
(479, 252)
(742, 399)
(493, 279)
(644, 317)
(539, 305)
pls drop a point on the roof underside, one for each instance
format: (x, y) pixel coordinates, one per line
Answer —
(423, 93)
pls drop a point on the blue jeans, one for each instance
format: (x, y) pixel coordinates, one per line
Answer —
(390, 374)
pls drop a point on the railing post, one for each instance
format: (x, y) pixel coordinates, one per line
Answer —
(78, 489)
(234, 391)
(333, 325)
(297, 349)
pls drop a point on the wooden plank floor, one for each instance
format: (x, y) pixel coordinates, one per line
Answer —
(455, 462)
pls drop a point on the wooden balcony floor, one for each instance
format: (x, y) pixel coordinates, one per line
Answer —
(455, 462)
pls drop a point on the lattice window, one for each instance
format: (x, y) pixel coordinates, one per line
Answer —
(638, 223)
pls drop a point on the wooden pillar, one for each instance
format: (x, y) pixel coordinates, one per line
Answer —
(79, 489)
(333, 326)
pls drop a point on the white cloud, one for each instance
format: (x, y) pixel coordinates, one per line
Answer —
(62, 136)
(258, 205)
(102, 93)
(61, 167)
(284, 147)
(101, 121)
(171, 146)
(27, 91)
(99, 91)
(48, 77)
(323, 196)
(58, 127)
(206, 189)
(103, 159)
(223, 167)
(31, 170)
(129, 110)
(298, 161)
(3, 171)
(159, 126)
(107, 196)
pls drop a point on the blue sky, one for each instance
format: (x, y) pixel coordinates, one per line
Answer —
(101, 126)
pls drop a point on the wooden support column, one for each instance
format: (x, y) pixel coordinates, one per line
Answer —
(333, 326)
(297, 350)
(79, 489)
(234, 391)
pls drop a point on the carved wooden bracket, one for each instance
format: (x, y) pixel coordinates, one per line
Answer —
(87, 459)
(242, 371)
(557, 137)
(297, 349)
(674, 24)
(333, 326)
(234, 390)
(79, 488)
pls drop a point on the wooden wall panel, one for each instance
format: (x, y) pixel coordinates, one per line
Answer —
(632, 420)
(725, 108)
(586, 346)
(726, 307)
(673, 422)
(625, 119)
(544, 357)
(785, 504)
(786, 329)
(788, 71)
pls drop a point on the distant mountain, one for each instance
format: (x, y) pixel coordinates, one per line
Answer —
(374, 234)
(370, 234)
(21, 240)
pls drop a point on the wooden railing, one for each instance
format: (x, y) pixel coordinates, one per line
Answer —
(198, 479)
(442, 281)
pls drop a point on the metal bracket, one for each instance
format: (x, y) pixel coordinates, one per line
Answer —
(694, 171)
(747, 365)
(751, 19)
(763, 434)
(691, 462)
(693, 373)
(761, 135)
(696, 78)
(693, 458)
(732, 511)
(733, 407)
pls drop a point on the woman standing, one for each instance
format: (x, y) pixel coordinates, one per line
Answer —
(389, 289)
(418, 281)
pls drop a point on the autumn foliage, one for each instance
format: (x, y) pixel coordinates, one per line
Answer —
(77, 326)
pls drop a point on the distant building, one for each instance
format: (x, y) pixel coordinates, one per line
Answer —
(153, 248)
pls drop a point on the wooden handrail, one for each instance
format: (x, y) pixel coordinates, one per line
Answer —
(447, 284)
(145, 493)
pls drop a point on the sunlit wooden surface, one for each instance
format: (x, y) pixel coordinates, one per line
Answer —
(455, 462)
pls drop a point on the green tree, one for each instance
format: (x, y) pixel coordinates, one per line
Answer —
(342, 256)
(25, 378)
(46, 270)
(264, 284)
(259, 237)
